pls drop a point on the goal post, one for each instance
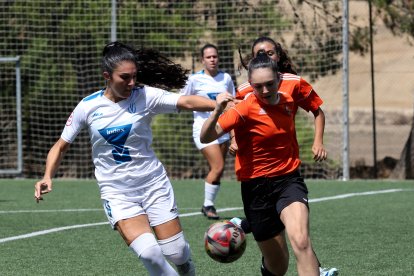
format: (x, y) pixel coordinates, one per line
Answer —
(11, 148)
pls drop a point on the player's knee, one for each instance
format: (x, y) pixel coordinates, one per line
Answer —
(218, 168)
(216, 173)
(152, 256)
(300, 242)
(148, 250)
(176, 249)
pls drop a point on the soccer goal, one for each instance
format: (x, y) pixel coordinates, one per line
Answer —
(11, 159)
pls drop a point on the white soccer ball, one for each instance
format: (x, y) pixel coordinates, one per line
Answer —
(224, 242)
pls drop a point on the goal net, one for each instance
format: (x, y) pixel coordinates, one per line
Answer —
(60, 45)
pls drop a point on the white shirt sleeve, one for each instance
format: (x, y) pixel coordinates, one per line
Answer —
(75, 123)
(161, 101)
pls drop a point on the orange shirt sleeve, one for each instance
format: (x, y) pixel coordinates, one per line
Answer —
(306, 97)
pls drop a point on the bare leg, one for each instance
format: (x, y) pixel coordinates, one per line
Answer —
(296, 220)
(276, 255)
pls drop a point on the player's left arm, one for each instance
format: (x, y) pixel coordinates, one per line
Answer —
(318, 149)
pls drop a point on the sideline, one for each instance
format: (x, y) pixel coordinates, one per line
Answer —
(53, 230)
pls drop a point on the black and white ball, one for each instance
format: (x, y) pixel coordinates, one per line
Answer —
(224, 242)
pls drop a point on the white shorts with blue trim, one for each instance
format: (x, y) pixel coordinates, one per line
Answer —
(157, 201)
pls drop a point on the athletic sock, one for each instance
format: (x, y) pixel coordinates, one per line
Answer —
(210, 193)
(149, 252)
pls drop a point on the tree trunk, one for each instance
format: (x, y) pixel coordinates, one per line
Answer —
(405, 166)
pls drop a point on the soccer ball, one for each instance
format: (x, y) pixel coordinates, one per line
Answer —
(224, 242)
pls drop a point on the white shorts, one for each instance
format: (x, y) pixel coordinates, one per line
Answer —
(196, 137)
(157, 201)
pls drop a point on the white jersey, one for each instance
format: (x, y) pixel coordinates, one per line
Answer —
(209, 87)
(121, 136)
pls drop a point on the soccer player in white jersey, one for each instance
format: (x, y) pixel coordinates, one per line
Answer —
(136, 193)
(208, 83)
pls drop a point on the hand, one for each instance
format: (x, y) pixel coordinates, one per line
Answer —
(223, 100)
(43, 186)
(233, 148)
(319, 152)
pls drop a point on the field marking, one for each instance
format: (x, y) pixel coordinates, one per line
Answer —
(357, 194)
(49, 211)
(53, 230)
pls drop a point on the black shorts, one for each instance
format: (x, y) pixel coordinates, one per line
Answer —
(264, 198)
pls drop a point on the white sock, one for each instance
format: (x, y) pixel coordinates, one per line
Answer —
(176, 249)
(148, 250)
(210, 193)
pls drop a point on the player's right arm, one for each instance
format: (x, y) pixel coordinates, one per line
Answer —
(54, 157)
(210, 130)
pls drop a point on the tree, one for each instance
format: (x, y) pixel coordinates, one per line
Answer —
(398, 16)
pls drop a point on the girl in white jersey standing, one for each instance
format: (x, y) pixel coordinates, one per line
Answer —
(208, 83)
(136, 193)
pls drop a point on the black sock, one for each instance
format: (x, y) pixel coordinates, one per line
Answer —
(264, 270)
(245, 225)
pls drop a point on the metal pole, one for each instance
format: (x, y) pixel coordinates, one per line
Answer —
(374, 131)
(19, 117)
(113, 21)
(345, 91)
(19, 169)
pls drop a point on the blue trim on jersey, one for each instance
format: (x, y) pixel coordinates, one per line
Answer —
(201, 72)
(93, 96)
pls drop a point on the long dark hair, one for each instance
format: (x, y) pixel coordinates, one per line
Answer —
(153, 68)
(285, 64)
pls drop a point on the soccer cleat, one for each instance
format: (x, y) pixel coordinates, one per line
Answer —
(326, 271)
(242, 223)
(210, 212)
(186, 269)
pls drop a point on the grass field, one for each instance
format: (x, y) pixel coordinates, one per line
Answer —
(360, 227)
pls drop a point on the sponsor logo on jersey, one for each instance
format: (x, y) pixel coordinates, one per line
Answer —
(97, 114)
(212, 95)
(117, 136)
(114, 131)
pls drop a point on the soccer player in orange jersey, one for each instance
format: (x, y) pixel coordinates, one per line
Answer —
(274, 194)
(307, 99)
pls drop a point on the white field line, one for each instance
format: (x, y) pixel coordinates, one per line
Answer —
(49, 211)
(53, 230)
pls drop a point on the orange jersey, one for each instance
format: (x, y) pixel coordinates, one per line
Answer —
(301, 91)
(265, 135)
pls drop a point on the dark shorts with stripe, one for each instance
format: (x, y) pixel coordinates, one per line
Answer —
(264, 198)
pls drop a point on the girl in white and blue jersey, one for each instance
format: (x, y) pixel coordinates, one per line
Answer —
(136, 193)
(208, 83)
